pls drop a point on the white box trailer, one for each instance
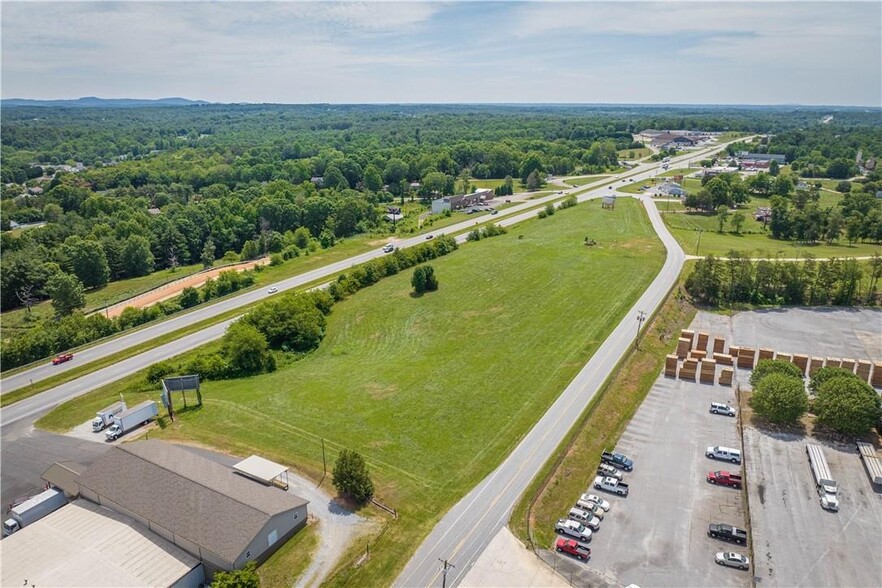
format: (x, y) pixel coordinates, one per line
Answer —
(871, 460)
(134, 417)
(33, 509)
(104, 417)
(826, 485)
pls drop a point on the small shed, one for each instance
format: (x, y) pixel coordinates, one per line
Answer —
(264, 471)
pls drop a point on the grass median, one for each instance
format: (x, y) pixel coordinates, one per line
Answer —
(566, 476)
(433, 390)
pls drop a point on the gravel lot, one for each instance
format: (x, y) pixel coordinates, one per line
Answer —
(796, 543)
(657, 536)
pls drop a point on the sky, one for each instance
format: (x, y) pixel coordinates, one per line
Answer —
(759, 52)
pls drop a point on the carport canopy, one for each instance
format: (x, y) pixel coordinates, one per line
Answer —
(263, 470)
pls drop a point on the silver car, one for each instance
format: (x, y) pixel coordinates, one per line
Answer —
(733, 560)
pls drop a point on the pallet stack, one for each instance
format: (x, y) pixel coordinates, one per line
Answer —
(688, 369)
(746, 357)
(833, 362)
(786, 357)
(802, 362)
(702, 341)
(876, 380)
(719, 345)
(683, 347)
(671, 366)
(864, 368)
(708, 371)
(687, 334)
(848, 365)
(698, 354)
(766, 353)
(723, 358)
(733, 351)
(726, 376)
(815, 364)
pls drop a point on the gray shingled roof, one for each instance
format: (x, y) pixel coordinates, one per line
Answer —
(191, 496)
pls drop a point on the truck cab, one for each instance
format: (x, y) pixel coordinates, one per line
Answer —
(113, 433)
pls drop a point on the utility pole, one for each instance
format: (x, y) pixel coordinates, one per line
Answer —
(641, 316)
(444, 571)
(324, 463)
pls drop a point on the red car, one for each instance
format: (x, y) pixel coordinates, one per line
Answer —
(572, 547)
(62, 358)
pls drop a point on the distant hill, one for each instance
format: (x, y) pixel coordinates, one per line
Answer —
(94, 102)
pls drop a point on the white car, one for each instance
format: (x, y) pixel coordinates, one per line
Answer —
(724, 453)
(721, 408)
(272, 290)
(733, 560)
(574, 529)
(596, 500)
(388, 248)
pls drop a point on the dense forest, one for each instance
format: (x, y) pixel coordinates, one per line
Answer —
(124, 192)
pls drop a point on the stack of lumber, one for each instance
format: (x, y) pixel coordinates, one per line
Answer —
(697, 354)
(876, 380)
(834, 362)
(708, 371)
(671, 366)
(688, 369)
(801, 361)
(726, 376)
(683, 347)
(719, 345)
(864, 368)
(815, 364)
(746, 357)
(766, 353)
(723, 358)
(702, 341)
(848, 365)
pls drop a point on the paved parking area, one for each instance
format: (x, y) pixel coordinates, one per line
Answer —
(657, 536)
(796, 543)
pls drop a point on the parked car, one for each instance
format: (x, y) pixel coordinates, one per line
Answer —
(388, 248)
(724, 479)
(573, 529)
(62, 358)
(720, 408)
(733, 560)
(572, 547)
(605, 505)
(592, 508)
(724, 453)
(617, 459)
(611, 485)
(494, 211)
(607, 470)
(272, 290)
(727, 533)
(429, 237)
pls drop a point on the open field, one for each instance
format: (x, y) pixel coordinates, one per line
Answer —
(632, 154)
(487, 354)
(688, 228)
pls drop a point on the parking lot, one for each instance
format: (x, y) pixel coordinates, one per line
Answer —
(795, 542)
(657, 536)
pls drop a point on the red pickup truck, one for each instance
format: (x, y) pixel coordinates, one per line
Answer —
(724, 478)
(62, 358)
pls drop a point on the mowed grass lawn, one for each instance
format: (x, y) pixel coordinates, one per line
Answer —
(434, 390)
(686, 228)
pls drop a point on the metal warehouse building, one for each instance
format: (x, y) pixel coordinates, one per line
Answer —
(83, 544)
(203, 507)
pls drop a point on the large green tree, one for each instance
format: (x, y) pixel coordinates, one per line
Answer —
(137, 259)
(87, 261)
(780, 398)
(246, 350)
(67, 294)
(847, 405)
(351, 477)
(765, 367)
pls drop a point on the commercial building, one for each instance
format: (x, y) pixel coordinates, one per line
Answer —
(439, 205)
(83, 544)
(213, 513)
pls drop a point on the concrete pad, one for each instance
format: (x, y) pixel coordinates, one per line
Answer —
(507, 562)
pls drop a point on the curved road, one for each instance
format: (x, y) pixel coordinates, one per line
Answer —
(467, 529)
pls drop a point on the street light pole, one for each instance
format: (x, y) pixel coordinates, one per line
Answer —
(641, 316)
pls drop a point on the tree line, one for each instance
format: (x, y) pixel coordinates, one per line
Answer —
(740, 280)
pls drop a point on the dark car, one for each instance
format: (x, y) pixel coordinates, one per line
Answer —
(430, 237)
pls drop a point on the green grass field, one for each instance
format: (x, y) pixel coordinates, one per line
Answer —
(433, 390)
(632, 154)
(752, 241)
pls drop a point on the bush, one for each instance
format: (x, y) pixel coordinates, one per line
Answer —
(351, 477)
(780, 398)
(827, 373)
(773, 366)
(245, 578)
(246, 351)
(569, 202)
(424, 279)
(847, 405)
(549, 209)
(276, 259)
(189, 297)
(542, 214)
(293, 322)
(158, 371)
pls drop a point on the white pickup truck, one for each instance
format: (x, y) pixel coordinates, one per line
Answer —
(611, 485)
(574, 529)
